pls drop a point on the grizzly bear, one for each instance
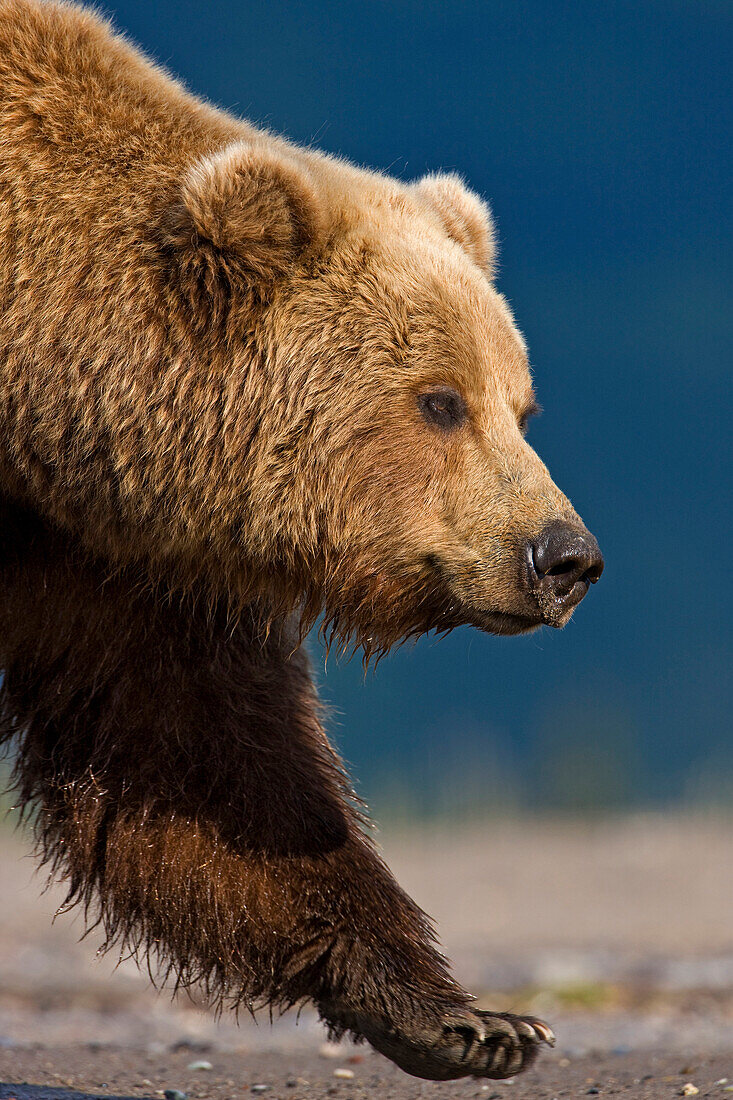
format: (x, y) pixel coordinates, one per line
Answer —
(244, 385)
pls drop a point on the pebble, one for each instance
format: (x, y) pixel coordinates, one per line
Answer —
(331, 1050)
(345, 1074)
(192, 1045)
(689, 1090)
(174, 1094)
(722, 1081)
(259, 1088)
(199, 1065)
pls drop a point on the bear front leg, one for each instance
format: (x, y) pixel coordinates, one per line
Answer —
(186, 790)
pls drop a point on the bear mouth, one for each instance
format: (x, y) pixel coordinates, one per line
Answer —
(450, 610)
(454, 613)
(501, 622)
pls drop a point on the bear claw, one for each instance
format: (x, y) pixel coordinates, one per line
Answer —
(505, 1044)
(470, 1044)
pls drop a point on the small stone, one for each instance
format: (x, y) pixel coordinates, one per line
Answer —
(331, 1050)
(259, 1088)
(689, 1090)
(593, 1091)
(722, 1081)
(345, 1074)
(174, 1094)
(202, 1065)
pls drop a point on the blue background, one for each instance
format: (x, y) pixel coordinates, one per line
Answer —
(600, 133)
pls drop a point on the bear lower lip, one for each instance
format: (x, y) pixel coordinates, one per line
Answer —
(501, 622)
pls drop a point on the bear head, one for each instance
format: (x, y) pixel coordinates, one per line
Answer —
(384, 474)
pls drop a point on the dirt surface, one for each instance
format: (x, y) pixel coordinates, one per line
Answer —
(78, 1073)
(619, 933)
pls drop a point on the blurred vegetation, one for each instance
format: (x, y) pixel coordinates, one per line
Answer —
(586, 759)
(582, 759)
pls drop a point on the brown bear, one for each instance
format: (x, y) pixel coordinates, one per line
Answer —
(242, 385)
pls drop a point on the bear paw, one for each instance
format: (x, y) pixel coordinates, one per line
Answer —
(468, 1044)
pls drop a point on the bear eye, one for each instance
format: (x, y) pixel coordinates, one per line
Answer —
(444, 407)
(533, 409)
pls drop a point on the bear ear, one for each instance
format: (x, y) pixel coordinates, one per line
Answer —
(465, 217)
(244, 212)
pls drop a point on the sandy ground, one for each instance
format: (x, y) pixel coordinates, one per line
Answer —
(619, 933)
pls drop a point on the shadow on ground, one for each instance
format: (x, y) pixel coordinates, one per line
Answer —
(43, 1092)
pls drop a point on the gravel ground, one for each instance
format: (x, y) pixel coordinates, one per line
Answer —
(619, 933)
(78, 1073)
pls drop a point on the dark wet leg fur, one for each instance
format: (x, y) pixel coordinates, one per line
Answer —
(185, 789)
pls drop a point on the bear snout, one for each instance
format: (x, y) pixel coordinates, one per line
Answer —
(562, 563)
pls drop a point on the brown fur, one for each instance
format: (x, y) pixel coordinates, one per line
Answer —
(186, 788)
(212, 345)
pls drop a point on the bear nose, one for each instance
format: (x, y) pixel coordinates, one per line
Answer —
(563, 562)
